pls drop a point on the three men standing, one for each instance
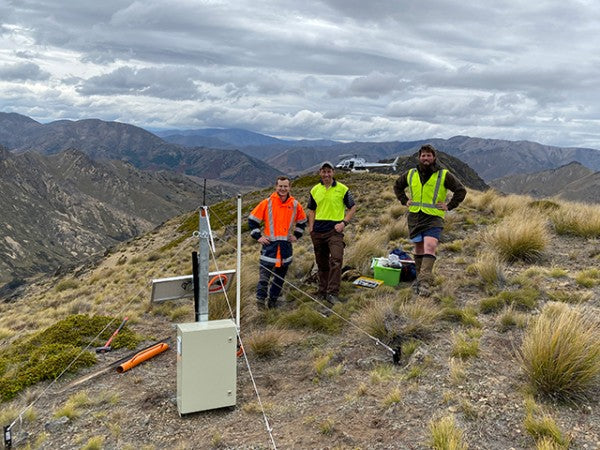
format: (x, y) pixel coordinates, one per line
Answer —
(284, 223)
(330, 209)
(428, 185)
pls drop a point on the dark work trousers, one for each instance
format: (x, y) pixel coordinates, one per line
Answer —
(264, 276)
(329, 254)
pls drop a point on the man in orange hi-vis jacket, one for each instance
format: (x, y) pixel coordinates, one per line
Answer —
(284, 223)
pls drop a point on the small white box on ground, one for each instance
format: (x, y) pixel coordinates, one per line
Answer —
(206, 365)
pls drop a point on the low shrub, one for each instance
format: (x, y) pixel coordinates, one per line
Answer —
(46, 354)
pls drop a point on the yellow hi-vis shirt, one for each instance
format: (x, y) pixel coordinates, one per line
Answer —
(424, 197)
(330, 202)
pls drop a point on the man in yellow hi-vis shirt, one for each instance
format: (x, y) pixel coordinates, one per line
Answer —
(330, 210)
(428, 185)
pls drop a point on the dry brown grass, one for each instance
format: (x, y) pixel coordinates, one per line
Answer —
(519, 237)
(577, 219)
(560, 353)
(360, 252)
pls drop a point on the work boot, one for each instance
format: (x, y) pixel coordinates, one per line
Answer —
(334, 298)
(260, 304)
(272, 303)
(425, 277)
(418, 262)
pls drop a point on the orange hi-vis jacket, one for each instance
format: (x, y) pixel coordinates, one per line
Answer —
(281, 220)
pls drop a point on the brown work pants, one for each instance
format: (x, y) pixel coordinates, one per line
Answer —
(329, 254)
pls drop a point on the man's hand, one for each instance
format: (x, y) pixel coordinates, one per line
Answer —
(263, 240)
(292, 238)
(339, 227)
(441, 205)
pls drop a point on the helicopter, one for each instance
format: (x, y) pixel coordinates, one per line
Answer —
(356, 164)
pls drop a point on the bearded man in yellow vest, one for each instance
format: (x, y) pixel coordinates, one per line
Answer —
(330, 210)
(428, 185)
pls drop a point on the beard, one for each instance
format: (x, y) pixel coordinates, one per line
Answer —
(427, 169)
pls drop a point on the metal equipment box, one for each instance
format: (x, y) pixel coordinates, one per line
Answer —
(206, 365)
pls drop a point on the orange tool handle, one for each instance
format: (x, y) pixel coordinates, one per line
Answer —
(143, 356)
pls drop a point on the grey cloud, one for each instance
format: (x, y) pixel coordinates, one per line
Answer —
(373, 85)
(25, 54)
(170, 83)
(22, 72)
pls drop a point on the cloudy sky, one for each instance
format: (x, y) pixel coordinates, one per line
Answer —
(340, 69)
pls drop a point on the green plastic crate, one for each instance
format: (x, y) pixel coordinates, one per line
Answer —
(388, 275)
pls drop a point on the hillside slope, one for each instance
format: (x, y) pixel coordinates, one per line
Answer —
(328, 385)
(65, 208)
(573, 182)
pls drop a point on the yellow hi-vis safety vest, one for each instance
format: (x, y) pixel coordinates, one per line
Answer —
(424, 197)
(330, 202)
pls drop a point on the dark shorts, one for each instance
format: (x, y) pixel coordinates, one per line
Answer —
(435, 232)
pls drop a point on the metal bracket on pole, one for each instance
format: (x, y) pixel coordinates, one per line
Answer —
(203, 252)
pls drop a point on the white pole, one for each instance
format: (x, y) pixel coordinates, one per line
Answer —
(238, 287)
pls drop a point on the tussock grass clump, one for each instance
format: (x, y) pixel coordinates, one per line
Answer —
(396, 230)
(489, 268)
(544, 205)
(572, 297)
(466, 316)
(579, 219)
(543, 428)
(307, 318)
(588, 278)
(481, 201)
(395, 396)
(376, 318)
(445, 435)
(557, 272)
(454, 246)
(519, 237)
(360, 252)
(6, 333)
(381, 374)
(66, 284)
(464, 346)
(266, 343)
(507, 205)
(524, 299)
(511, 319)
(420, 318)
(94, 443)
(327, 427)
(546, 428)
(560, 353)
(397, 211)
(456, 371)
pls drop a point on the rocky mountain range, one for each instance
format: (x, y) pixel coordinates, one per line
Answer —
(572, 181)
(490, 158)
(119, 141)
(66, 207)
(255, 144)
